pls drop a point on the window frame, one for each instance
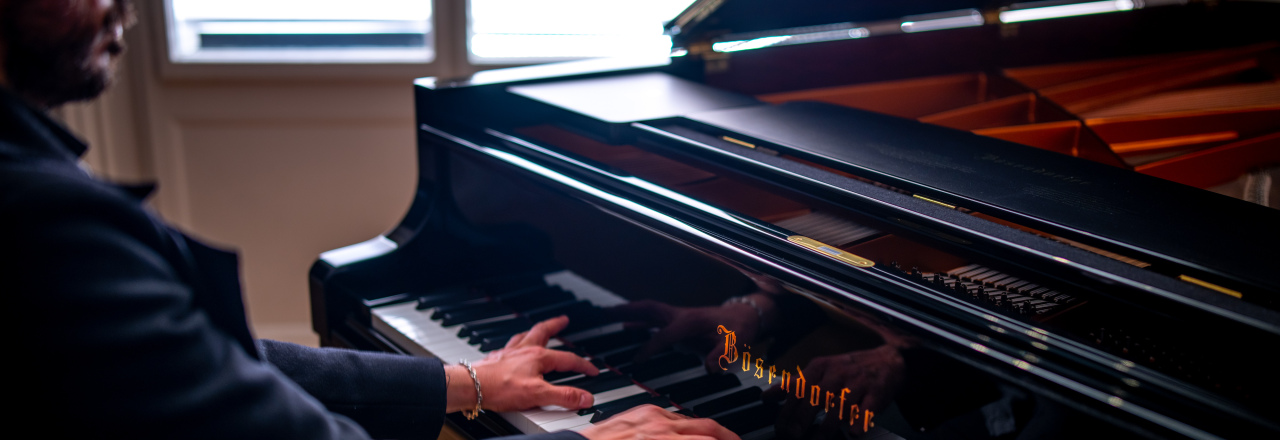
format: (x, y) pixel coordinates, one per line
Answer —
(452, 58)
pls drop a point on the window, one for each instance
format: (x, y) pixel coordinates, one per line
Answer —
(402, 31)
(524, 31)
(300, 31)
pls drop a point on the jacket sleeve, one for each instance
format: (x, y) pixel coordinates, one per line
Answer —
(108, 341)
(391, 396)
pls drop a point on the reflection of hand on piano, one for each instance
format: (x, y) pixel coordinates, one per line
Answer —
(693, 326)
(648, 421)
(852, 388)
(512, 378)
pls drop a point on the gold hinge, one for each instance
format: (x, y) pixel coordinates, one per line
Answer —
(932, 200)
(830, 251)
(1211, 286)
(739, 142)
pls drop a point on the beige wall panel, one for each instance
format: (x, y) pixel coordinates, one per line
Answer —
(283, 191)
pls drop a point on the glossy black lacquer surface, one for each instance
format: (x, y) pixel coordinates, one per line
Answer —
(674, 195)
(1222, 235)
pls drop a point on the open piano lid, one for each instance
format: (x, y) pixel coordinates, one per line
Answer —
(705, 20)
(1215, 246)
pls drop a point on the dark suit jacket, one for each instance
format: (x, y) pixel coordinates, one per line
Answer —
(120, 326)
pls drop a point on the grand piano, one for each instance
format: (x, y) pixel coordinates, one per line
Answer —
(956, 218)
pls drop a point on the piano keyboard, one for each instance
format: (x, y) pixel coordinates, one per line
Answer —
(675, 380)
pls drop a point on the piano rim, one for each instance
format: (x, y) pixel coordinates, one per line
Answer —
(1006, 350)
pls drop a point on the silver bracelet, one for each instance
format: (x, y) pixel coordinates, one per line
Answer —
(471, 414)
(750, 302)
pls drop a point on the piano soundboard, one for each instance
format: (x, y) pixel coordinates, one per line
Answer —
(466, 324)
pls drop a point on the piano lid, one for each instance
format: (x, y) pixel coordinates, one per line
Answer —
(711, 21)
(1228, 237)
(706, 19)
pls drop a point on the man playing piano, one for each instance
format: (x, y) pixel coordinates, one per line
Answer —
(125, 327)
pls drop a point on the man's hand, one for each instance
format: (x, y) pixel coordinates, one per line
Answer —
(511, 378)
(651, 422)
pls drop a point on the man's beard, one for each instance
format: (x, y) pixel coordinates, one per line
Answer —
(53, 73)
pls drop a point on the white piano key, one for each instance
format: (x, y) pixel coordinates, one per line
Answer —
(550, 414)
(573, 419)
(566, 423)
(583, 426)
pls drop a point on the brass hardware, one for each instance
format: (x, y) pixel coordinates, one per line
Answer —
(742, 143)
(830, 251)
(1212, 286)
(932, 200)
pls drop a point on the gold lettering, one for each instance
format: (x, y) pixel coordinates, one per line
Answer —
(786, 380)
(827, 407)
(759, 368)
(773, 372)
(799, 383)
(730, 347)
(843, 392)
(815, 396)
(853, 413)
(746, 361)
(866, 423)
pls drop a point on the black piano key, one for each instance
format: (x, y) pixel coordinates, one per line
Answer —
(605, 381)
(662, 365)
(494, 342)
(537, 299)
(441, 310)
(510, 283)
(557, 375)
(606, 342)
(468, 330)
(699, 387)
(623, 358)
(613, 408)
(623, 403)
(471, 315)
(447, 296)
(552, 311)
(515, 293)
(574, 350)
(509, 329)
(749, 419)
(727, 402)
(586, 319)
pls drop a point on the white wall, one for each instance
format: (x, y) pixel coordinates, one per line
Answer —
(281, 163)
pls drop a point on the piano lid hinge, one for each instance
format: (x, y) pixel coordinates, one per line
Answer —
(749, 145)
(933, 201)
(831, 251)
(1211, 286)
